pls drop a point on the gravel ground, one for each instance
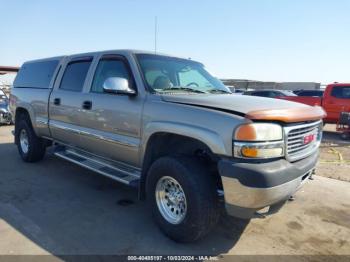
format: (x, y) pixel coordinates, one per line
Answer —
(335, 156)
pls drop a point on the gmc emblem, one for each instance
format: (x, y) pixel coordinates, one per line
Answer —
(309, 138)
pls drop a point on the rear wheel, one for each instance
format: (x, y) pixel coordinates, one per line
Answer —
(183, 198)
(30, 147)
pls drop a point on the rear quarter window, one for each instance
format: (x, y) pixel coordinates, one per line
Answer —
(36, 74)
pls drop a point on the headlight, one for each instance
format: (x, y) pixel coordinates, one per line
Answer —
(258, 132)
(258, 140)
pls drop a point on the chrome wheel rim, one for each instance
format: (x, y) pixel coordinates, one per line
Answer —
(171, 200)
(23, 140)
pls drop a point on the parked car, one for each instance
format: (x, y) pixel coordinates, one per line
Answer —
(336, 99)
(317, 93)
(5, 115)
(239, 91)
(272, 93)
(167, 127)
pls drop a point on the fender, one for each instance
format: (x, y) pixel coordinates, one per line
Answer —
(206, 136)
(27, 107)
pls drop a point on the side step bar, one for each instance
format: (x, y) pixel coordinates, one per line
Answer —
(119, 172)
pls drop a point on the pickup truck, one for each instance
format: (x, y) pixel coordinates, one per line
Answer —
(164, 125)
(336, 99)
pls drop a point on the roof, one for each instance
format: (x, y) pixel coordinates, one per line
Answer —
(117, 51)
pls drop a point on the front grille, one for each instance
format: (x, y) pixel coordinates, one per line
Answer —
(296, 146)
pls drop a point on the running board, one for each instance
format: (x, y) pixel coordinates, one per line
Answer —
(116, 171)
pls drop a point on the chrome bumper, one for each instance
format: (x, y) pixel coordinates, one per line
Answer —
(238, 195)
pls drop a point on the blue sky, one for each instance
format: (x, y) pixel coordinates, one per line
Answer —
(270, 40)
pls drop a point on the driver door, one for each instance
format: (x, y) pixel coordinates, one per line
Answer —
(112, 123)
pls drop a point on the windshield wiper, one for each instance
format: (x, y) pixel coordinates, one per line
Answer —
(189, 89)
(213, 91)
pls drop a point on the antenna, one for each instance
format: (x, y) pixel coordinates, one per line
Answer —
(155, 33)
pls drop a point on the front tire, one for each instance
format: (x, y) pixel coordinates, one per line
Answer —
(183, 197)
(30, 147)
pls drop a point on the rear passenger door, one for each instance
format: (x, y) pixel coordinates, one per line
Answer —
(112, 124)
(66, 101)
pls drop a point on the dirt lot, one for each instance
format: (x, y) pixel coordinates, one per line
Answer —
(55, 207)
(335, 156)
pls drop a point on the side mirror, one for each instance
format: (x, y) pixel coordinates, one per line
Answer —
(118, 85)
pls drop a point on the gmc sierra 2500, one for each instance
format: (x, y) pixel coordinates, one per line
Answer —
(166, 126)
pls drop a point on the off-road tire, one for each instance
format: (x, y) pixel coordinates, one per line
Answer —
(36, 145)
(200, 190)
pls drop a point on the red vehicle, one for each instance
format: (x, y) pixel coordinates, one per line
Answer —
(336, 99)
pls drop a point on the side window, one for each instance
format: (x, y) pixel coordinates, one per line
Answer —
(74, 76)
(276, 94)
(303, 93)
(109, 68)
(341, 92)
(260, 93)
(36, 74)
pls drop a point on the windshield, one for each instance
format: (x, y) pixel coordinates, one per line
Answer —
(288, 93)
(169, 74)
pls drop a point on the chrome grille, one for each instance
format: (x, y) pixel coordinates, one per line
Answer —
(296, 148)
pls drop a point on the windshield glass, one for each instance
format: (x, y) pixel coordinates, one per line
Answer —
(169, 74)
(288, 93)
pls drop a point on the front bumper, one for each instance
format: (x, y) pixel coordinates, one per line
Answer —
(249, 187)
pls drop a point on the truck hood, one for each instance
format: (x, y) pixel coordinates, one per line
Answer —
(236, 103)
(258, 108)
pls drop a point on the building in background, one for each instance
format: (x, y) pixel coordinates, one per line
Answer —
(244, 84)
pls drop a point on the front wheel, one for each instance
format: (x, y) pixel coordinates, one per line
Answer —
(183, 198)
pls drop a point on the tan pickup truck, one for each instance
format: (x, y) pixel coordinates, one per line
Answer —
(166, 126)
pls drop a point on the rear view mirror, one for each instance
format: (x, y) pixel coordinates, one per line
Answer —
(118, 85)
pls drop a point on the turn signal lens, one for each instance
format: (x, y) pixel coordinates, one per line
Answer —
(249, 152)
(258, 150)
(252, 152)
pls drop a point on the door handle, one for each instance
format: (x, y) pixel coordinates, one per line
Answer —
(87, 105)
(57, 101)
